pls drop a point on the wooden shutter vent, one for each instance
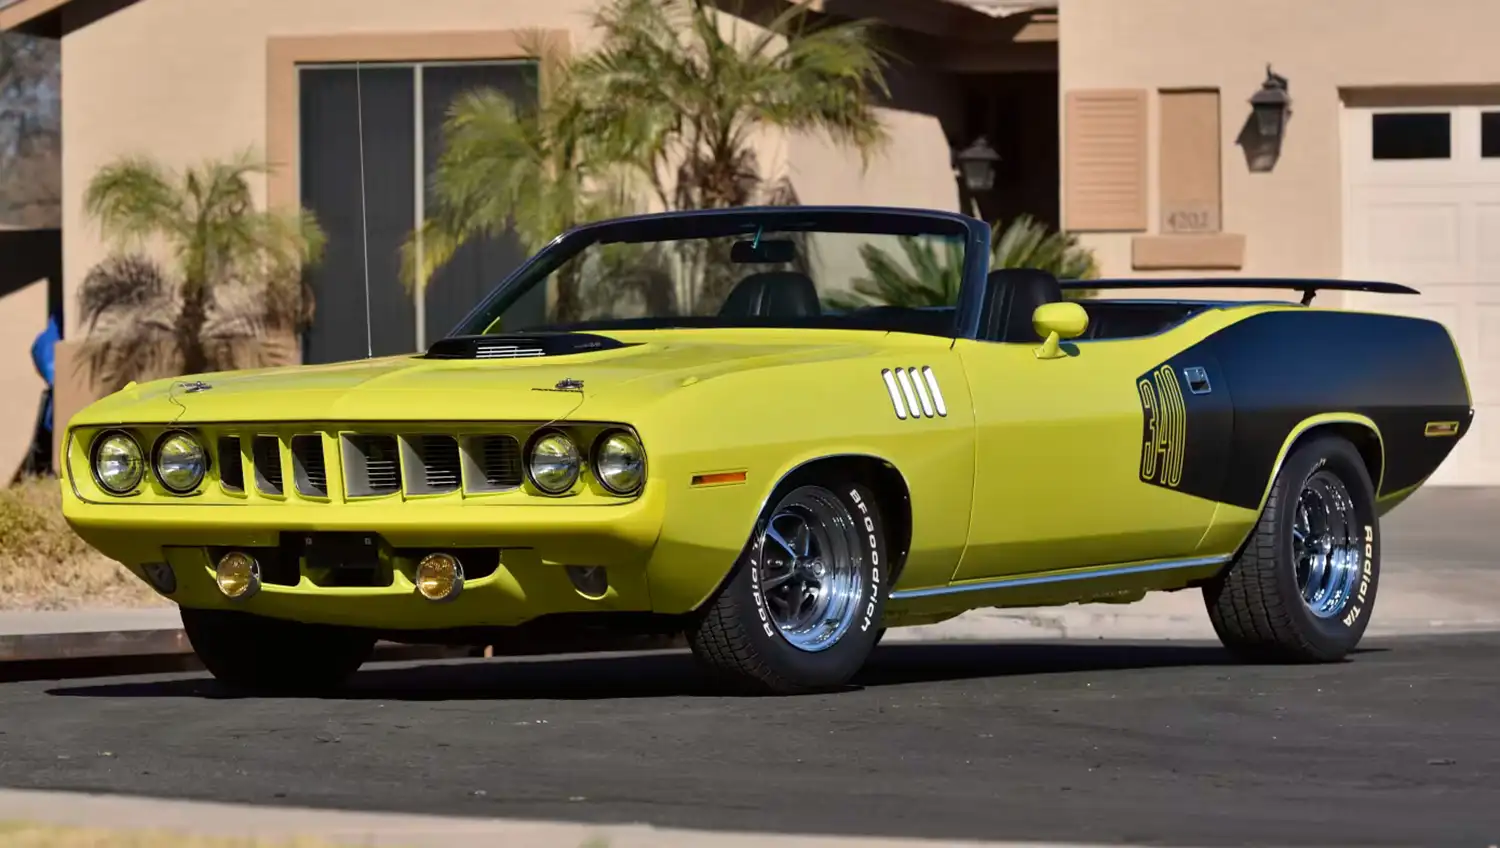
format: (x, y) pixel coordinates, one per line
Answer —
(1105, 160)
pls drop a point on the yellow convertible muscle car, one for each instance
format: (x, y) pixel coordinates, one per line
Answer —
(769, 429)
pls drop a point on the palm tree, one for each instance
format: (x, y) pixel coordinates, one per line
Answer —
(691, 92)
(236, 275)
(927, 279)
(536, 171)
(665, 107)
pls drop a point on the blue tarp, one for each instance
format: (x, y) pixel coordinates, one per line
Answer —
(43, 356)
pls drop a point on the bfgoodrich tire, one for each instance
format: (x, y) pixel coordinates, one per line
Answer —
(256, 654)
(802, 609)
(1303, 589)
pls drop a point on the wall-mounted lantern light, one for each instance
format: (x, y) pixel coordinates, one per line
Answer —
(1271, 105)
(976, 164)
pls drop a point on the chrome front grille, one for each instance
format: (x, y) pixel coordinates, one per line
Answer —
(372, 465)
(267, 457)
(309, 466)
(497, 462)
(231, 464)
(433, 466)
(337, 465)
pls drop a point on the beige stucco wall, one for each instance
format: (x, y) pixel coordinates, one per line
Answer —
(23, 314)
(1292, 216)
(184, 80)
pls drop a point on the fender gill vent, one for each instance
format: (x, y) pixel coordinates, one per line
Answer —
(308, 467)
(915, 392)
(372, 465)
(266, 453)
(432, 464)
(231, 464)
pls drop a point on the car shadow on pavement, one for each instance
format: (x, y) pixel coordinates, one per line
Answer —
(673, 673)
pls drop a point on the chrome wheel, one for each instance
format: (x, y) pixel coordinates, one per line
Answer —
(811, 569)
(1326, 544)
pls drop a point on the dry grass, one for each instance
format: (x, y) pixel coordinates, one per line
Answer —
(45, 566)
(23, 835)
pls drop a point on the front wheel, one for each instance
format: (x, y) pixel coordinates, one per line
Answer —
(802, 610)
(257, 654)
(1303, 588)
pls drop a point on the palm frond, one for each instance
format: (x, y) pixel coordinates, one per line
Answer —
(121, 281)
(131, 312)
(926, 278)
(133, 199)
(1027, 243)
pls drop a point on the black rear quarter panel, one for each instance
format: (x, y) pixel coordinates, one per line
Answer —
(1280, 368)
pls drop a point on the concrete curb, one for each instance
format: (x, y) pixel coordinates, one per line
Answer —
(411, 831)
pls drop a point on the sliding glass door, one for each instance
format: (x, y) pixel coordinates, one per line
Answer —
(369, 200)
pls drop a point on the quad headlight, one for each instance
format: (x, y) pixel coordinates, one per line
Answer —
(554, 463)
(181, 462)
(620, 462)
(118, 464)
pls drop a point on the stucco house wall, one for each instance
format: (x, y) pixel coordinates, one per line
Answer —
(185, 80)
(1292, 217)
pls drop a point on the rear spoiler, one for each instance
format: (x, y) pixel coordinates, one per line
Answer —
(1309, 286)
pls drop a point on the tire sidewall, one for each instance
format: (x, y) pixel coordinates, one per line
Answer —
(1340, 633)
(841, 660)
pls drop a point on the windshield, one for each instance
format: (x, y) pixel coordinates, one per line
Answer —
(893, 272)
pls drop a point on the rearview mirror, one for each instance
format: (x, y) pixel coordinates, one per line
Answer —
(763, 252)
(1054, 322)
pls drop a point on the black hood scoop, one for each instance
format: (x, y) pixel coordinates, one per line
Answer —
(520, 345)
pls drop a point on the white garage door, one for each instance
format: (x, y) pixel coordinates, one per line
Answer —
(1422, 207)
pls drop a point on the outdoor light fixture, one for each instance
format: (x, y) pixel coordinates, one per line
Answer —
(1271, 105)
(976, 164)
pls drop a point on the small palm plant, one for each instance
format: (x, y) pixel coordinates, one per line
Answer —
(1027, 243)
(929, 278)
(234, 294)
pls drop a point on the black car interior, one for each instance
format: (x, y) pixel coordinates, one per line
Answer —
(772, 294)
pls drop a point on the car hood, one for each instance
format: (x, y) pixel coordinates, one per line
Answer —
(615, 383)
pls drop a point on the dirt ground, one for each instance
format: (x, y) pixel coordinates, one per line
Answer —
(45, 566)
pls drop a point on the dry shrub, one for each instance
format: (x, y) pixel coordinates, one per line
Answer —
(44, 565)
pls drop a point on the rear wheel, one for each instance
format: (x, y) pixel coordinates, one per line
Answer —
(802, 610)
(259, 654)
(1303, 589)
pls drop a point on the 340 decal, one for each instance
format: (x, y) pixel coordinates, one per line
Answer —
(1164, 429)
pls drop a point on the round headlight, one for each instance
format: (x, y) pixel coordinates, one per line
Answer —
(619, 463)
(181, 462)
(118, 465)
(554, 463)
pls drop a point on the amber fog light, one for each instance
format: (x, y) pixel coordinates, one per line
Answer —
(440, 577)
(238, 575)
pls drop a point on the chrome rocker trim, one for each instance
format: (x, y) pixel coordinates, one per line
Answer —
(1032, 580)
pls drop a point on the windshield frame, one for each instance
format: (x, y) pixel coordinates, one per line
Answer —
(745, 220)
